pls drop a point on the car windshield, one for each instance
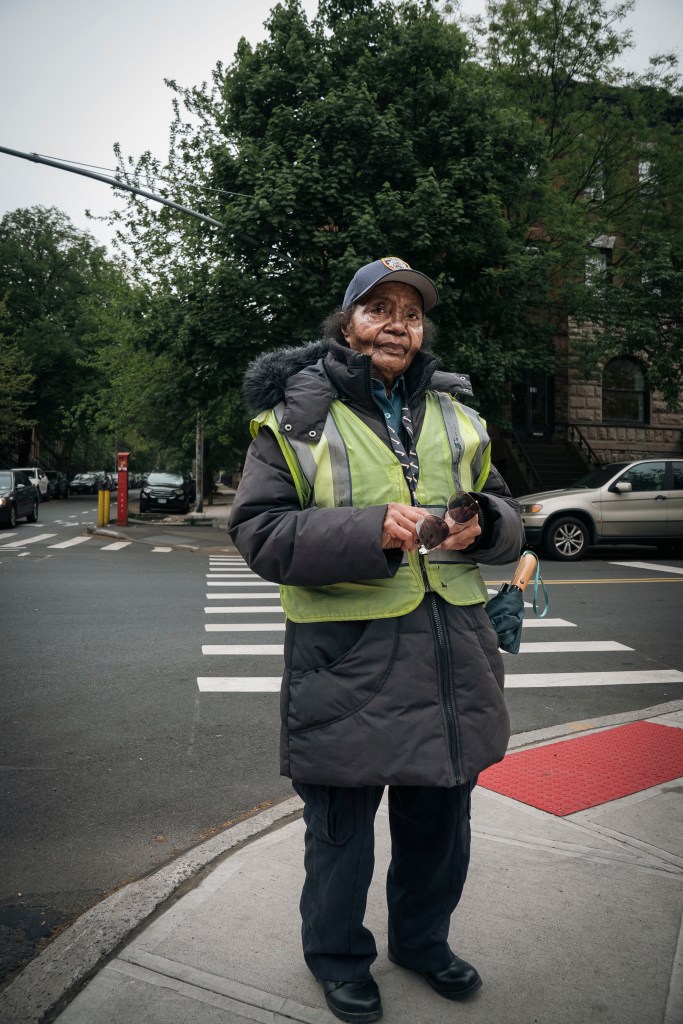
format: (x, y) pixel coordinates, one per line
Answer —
(597, 477)
(165, 479)
(5, 481)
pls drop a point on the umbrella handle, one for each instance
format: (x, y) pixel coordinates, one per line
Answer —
(526, 567)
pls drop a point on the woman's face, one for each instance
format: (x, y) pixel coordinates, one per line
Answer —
(387, 325)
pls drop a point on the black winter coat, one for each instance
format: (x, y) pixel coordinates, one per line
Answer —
(413, 700)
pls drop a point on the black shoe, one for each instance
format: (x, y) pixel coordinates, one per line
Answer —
(353, 1000)
(458, 980)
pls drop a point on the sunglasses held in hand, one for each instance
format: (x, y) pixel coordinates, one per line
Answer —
(433, 530)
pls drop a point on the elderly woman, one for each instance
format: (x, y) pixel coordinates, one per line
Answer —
(393, 675)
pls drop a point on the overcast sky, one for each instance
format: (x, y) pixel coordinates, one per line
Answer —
(76, 76)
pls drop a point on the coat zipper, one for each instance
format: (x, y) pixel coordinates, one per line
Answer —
(442, 655)
(444, 675)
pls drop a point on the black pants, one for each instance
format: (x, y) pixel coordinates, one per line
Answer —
(430, 852)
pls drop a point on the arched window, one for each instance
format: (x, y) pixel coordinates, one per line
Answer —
(625, 397)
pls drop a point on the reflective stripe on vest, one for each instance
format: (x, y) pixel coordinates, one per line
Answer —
(350, 465)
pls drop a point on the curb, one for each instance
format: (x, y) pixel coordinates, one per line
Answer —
(554, 732)
(81, 950)
(50, 980)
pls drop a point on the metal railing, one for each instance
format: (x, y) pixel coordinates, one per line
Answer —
(574, 436)
(524, 463)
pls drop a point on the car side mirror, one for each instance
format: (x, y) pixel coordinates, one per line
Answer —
(623, 487)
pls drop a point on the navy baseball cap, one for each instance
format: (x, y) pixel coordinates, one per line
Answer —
(392, 267)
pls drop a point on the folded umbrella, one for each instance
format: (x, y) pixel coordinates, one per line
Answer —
(506, 608)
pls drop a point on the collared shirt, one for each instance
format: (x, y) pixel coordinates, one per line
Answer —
(391, 407)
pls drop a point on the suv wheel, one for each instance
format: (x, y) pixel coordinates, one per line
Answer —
(566, 539)
(32, 517)
(12, 517)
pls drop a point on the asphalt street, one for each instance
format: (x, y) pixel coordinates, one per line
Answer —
(118, 753)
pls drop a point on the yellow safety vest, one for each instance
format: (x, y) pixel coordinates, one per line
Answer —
(350, 465)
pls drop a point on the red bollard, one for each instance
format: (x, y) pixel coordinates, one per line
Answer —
(122, 496)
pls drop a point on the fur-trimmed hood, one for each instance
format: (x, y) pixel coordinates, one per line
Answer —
(266, 378)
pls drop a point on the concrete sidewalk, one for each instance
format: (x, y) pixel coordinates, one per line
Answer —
(570, 920)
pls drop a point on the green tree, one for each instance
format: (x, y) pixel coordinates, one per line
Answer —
(16, 393)
(63, 300)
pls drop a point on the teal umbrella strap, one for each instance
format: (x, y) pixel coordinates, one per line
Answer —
(538, 579)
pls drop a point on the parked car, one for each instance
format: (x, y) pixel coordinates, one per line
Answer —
(621, 503)
(18, 498)
(38, 479)
(85, 483)
(57, 484)
(165, 491)
(111, 480)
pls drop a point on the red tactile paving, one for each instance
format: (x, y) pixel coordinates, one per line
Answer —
(566, 777)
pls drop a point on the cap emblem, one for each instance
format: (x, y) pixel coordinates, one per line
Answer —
(394, 263)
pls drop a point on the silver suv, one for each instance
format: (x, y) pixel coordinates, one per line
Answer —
(622, 503)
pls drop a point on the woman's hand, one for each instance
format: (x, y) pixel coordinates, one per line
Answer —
(398, 528)
(461, 535)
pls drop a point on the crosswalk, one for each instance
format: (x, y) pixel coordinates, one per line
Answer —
(243, 593)
(25, 541)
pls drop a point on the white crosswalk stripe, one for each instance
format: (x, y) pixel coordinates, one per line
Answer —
(242, 649)
(70, 543)
(546, 624)
(651, 567)
(244, 627)
(118, 545)
(554, 679)
(215, 575)
(258, 610)
(571, 647)
(255, 583)
(239, 684)
(23, 541)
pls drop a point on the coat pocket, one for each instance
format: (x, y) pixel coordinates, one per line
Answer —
(332, 691)
(488, 641)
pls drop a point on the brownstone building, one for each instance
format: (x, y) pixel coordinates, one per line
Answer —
(564, 425)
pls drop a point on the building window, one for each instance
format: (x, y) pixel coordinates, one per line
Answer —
(594, 189)
(624, 393)
(598, 265)
(646, 178)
